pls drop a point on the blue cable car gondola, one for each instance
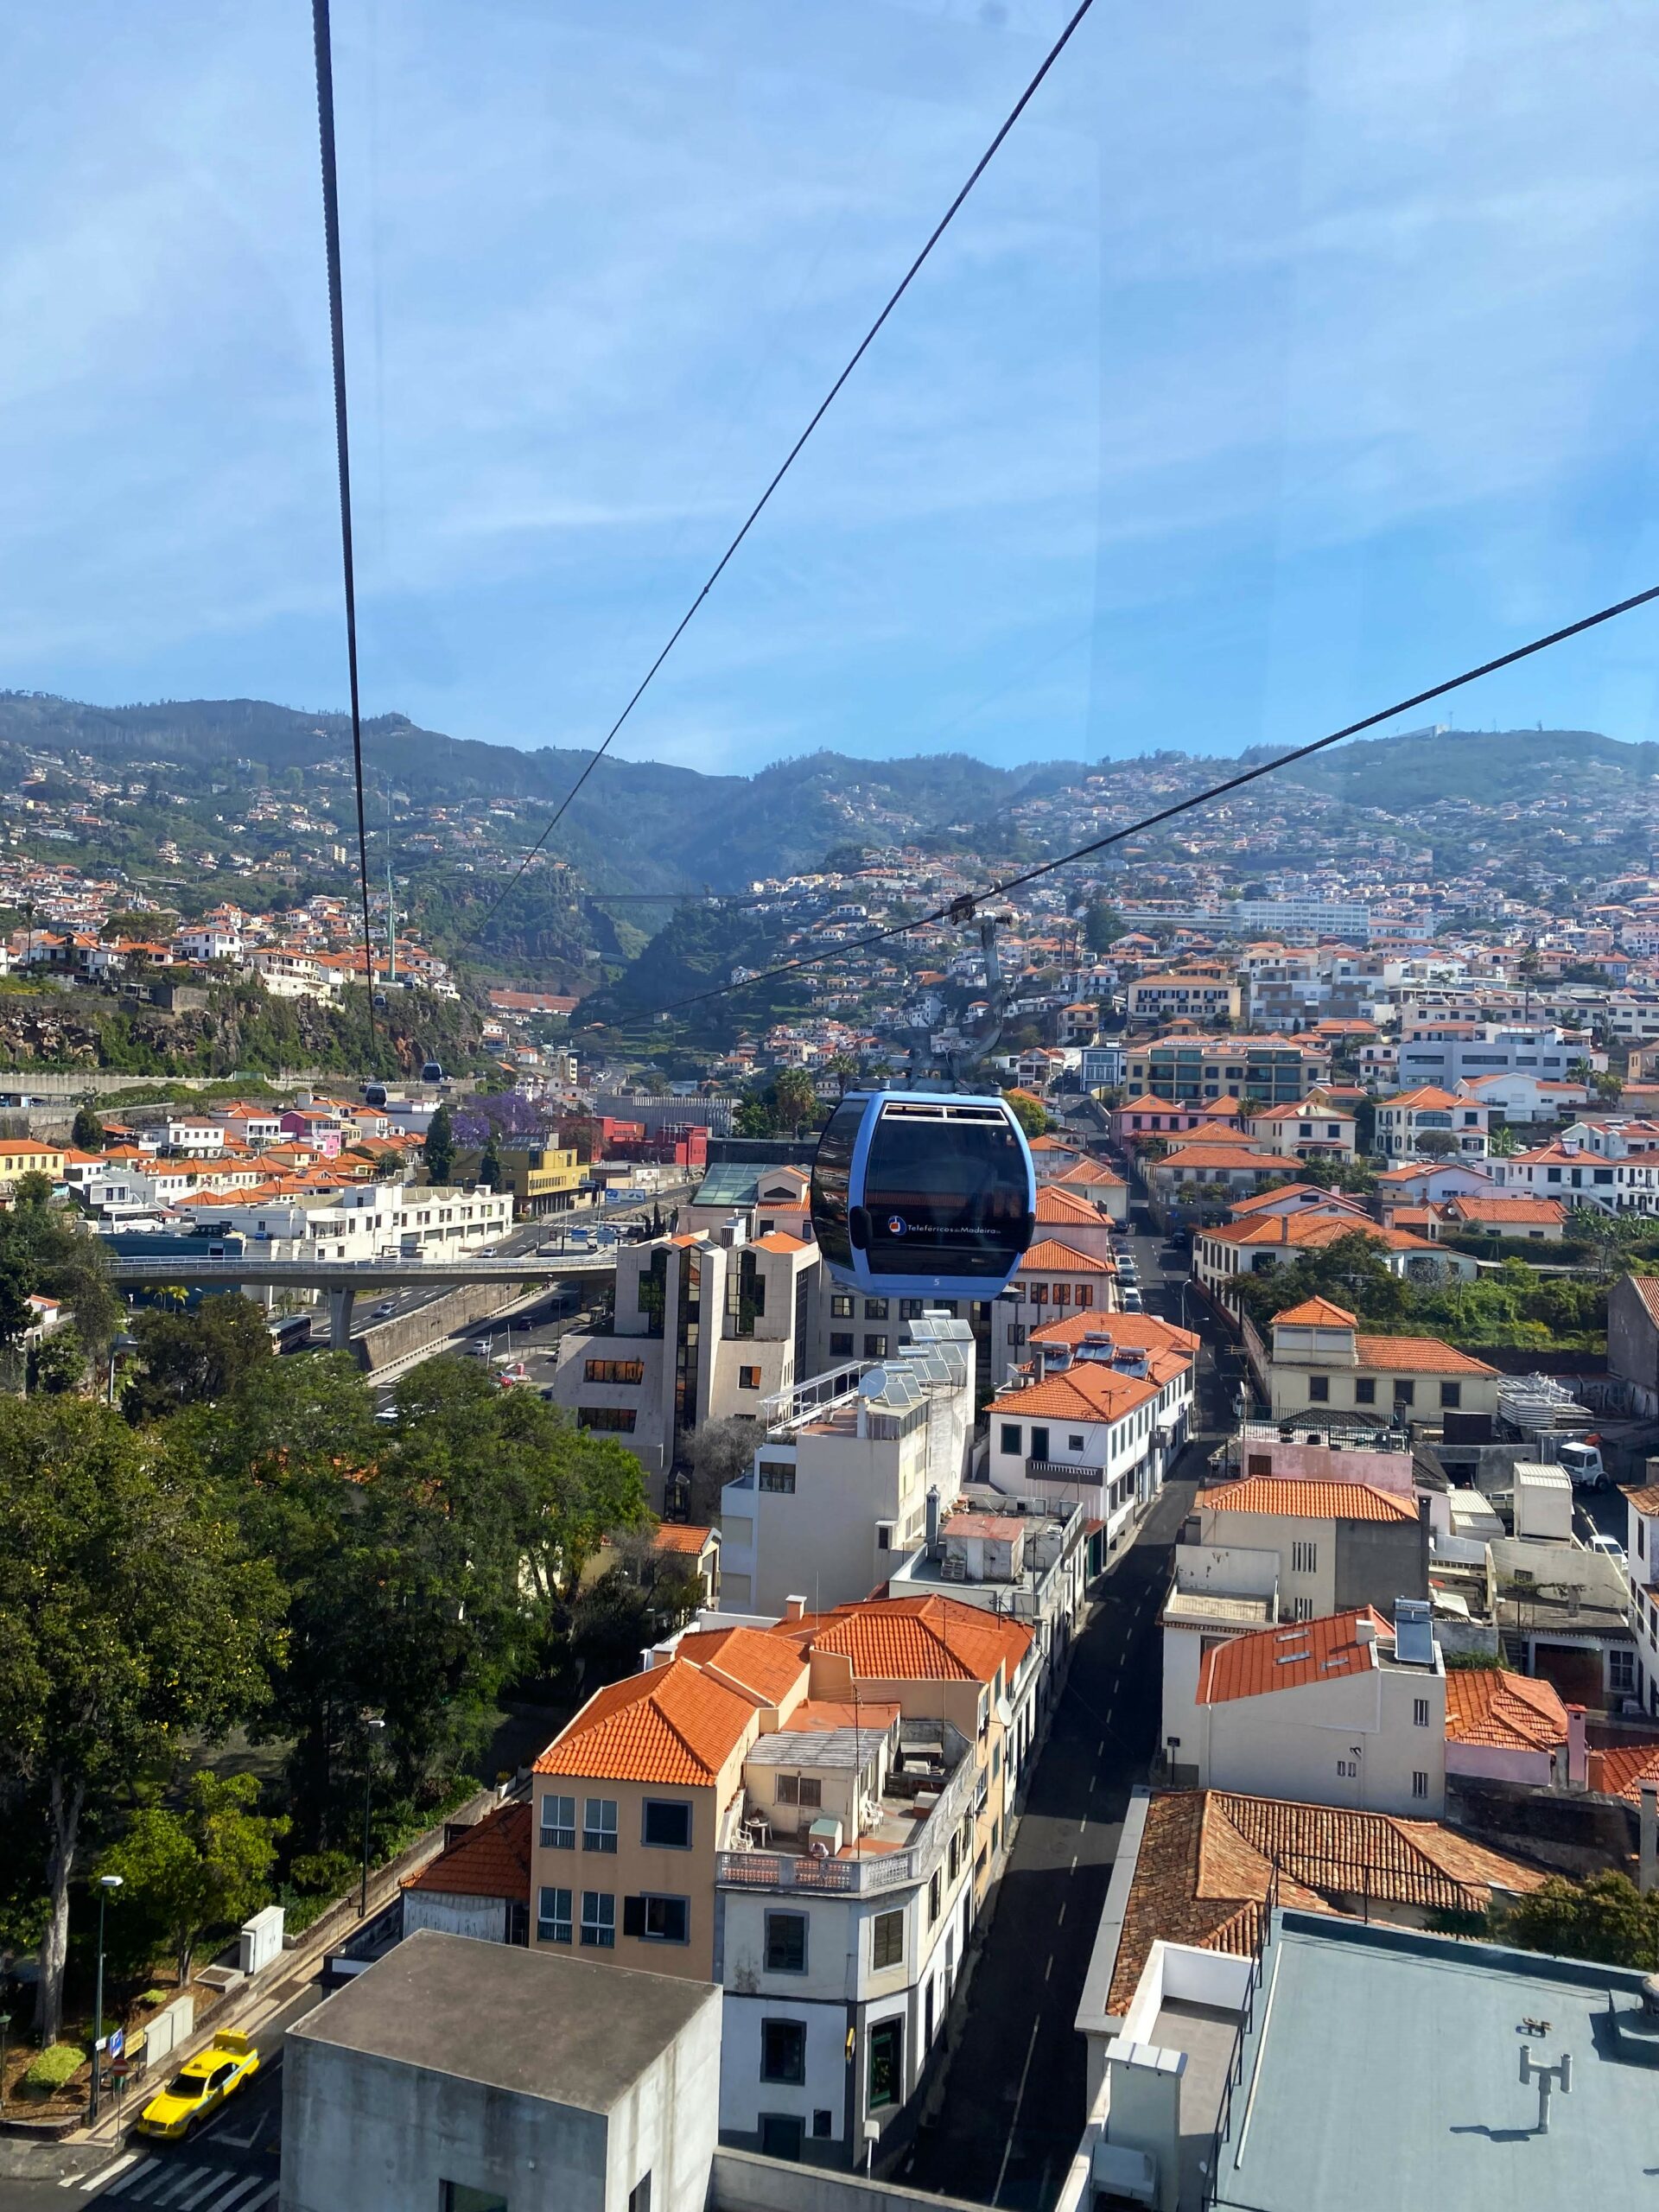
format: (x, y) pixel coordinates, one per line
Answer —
(923, 1194)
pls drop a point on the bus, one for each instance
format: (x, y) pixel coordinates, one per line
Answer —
(290, 1332)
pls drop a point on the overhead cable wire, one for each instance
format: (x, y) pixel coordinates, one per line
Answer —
(790, 458)
(324, 45)
(962, 907)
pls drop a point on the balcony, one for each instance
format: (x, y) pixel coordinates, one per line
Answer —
(1063, 1471)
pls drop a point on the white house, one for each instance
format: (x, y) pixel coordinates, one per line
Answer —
(1094, 1418)
(1403, 1121)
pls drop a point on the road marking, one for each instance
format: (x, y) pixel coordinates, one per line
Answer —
(1049, 1968)
(264, 2197)
(1059, 1917)
(97, 2180)
(146, 2179)
(1019, 2098)
(1074, 1862)
(215, 2179)
(224, 2203)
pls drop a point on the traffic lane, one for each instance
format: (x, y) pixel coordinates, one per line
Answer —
(1013, 2102)
(230, 2164)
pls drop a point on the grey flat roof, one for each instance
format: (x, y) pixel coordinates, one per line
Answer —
(1382, 2069)
(535, 2023)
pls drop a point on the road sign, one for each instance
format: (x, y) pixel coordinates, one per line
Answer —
(116, 2042)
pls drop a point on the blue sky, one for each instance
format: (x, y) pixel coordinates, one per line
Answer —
(1289, 357)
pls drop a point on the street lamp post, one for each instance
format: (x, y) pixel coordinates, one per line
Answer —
(372, 1725)
(106, 1883)
(5, 2039)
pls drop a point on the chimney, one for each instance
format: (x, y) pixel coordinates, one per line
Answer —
(794, 1609)
(932, 1509)
(1577, 1758)
(1041, 1351)
(1365, 1630)
(1648, 1874)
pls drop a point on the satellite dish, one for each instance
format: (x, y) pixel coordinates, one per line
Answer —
(873, 1384)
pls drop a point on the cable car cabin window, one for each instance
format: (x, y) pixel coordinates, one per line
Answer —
(943, 1196)
(831, 1179)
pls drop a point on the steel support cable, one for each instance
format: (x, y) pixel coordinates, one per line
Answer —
(325, 61)
(962, 908)
(789, 459)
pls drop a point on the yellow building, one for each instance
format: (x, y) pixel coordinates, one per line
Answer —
(21, 1156)
(542, 1180)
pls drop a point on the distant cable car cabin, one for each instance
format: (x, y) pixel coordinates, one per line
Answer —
(923, 1194)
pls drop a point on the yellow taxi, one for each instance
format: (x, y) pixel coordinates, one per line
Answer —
(200, 2087)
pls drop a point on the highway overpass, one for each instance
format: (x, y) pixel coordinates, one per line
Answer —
(344, 1279)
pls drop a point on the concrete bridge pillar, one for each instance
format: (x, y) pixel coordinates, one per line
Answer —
(340, 1303)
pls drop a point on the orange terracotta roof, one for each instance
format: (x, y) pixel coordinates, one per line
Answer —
(1055, 1204)
(1317, 1313)
(817, 1714)
(1287, 1658)
(675, 1723)
(1088, 1391)
(681, 1536)
(1520, 1208)
(1314, 1501)
(1417, 1356)
(918, 1639)
(491, 1860)
(744, 1658)
(1428, 1096)
(1088, 1172)
(1231, 1156)
(1645, 1501)
(1049, 1257)
(1647, 1289)
(1486, 1705)
(1208, 1857)
(1620, 1771)
(1133, 1332)
(777, 1240)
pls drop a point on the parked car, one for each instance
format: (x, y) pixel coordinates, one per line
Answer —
(1611, 1547)
(1130, 1299)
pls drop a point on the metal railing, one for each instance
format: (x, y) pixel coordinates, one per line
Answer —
(1235, 2061)
(891, 1870)
(1062, 1470)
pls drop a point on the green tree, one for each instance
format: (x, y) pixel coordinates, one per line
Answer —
(129, 1616)
(1607, 1087)
(795, 1100)
(752, 1116)
(1029, 1112)
(439, 1150)
(1103, 926)
(58, 1362)
(207, 1867)
(844, 1068)
(489, 1167)
(1350, 1271)
(191, 1359)
(87, 1134)
(46, 1252)
(1606, 1918)
(718, 1453)
(1436, 1144)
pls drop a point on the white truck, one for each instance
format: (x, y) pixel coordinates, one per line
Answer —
(1583, 1464)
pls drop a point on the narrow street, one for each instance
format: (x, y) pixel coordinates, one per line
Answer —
(1012, 2108)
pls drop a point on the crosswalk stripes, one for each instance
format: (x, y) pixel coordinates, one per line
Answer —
(165, 2185)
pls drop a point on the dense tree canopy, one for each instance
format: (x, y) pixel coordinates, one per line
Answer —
(194, 1358)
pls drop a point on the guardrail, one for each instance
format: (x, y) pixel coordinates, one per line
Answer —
(1062, 1470)
(893, 1870)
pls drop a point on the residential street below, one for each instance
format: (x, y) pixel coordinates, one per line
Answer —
(1007, 2121)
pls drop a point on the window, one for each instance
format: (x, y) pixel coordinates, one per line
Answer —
(1040, 1441)
(553, 1917)
(598, 1824)
(666, 1824)
(616, 1420)
(749, 1378)
(1303, 1557)
(558, 1824)
(840, 1306)
(875, 1347)
(886, 1940)
(461, 2196)
(614, 1370)
(1451, 1395)
(1405, 1391)
(800, 1789)
(1348, 1770)
(1011, 1437)
(841, 1344)
(1303, 1609)
(599, 1919)
(778, 1475)
(911, 1309)
(886, 2063)
(822, 2119)
(1074, 1442)
(783, 2050)
(1319, 1388)
(657, 1919)
(935, 1897)
(875, 1309)
(1621, 1670)
(785, 1943)
(639, 2195)
(1420, 1783)
(1366, 1390)
(884, 1536)
(781, 2135)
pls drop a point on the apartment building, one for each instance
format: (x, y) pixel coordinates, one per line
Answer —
(1051, 1280)
(1194, 992)
(1322, 1362)
(403, 1221)
(1092, 1418)
(1641, 1552)
(1305, 920)
(1260, 1243)
(1345, 1709)
(1445, 1054)
(21, 1156)
(540, 1180)
(1273, 1070)
(837, 1493)
(704, 1326)
(1313, 1128)
(1456, 1121)
(1618, 1173)
(811, 1816)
